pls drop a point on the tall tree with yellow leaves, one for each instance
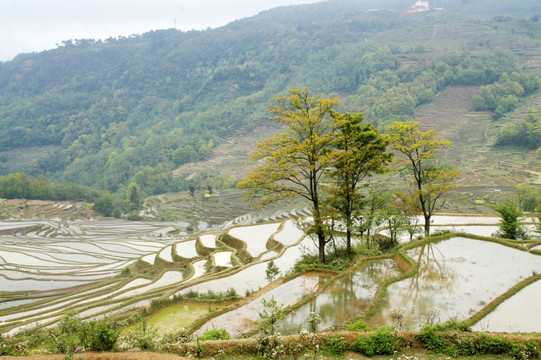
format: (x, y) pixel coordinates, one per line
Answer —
(296, 162)
(431, 181)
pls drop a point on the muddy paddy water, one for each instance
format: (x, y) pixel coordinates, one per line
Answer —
(243, 319)
(456, 279)
(180, 316)
(344, 299)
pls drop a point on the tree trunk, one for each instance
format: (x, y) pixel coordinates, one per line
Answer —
(321, 245)
(348, 235)
(427, 225)
(318, 229)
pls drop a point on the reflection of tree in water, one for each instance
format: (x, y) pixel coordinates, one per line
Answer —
(433, 272)
(343, 299)
(416, 294)
(348, 296)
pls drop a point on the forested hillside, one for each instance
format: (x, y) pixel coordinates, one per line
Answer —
(130, 110)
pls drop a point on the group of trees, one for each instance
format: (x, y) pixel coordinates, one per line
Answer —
(326, 157)
(502, 97)
(20, 186)
(525, 132)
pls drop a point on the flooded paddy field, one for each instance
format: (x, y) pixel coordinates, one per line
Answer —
(242, 320)
(345, 296)
(50, 267)
(456, 279)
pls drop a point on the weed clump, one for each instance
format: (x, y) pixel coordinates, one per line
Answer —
(335, 345)
(73, 335)
(358, 325)
(215, 334)
(452, 338)
(384, 341)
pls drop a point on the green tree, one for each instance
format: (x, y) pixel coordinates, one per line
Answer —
(272, 271)
(133, 197)
(104, 203)
(408, 207)
(538, 220)
(431, 182)
(296, 161)
(15, 186)
(394, 220)
(374, 201)
(479, 103)
(510, 222)
(191, 189)
(361, 153)
(528, 197)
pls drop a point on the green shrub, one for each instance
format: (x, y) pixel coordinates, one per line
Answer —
(443, 338)
(526, 350)
(336, 261)
(144, 338)
(358, 325)
(384, 341)
(432, 339)
(465, 346)
(170, 341)
(6, 349)
(269, 343)
(440, 232)
(335, 345)
(103, 335)
(66, 337)
(489, 344)
(453, 325)
(215, 334)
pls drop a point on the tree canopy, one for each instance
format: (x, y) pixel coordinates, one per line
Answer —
(323, 156)
(431, 181)
(361, 153)
(296, 161)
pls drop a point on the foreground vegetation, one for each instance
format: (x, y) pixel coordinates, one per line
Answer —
(452, 338)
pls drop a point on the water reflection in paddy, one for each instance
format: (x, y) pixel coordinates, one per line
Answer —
(456, 279)
(344, 299)
(253, 277)
(242, 319)
(208, 240)
(186, 249)
(290, 233)
(255, 236)
(40, 285)
(515, 314)
(7, 304)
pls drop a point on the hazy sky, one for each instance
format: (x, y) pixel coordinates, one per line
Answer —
(36, 25)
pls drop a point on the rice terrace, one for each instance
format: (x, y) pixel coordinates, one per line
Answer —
(338, 180)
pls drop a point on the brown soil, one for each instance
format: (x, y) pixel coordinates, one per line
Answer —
(102, 356)
(44, 209)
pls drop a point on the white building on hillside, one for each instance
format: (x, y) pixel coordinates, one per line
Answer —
(420, 6)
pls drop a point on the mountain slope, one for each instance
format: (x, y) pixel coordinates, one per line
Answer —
(133, 109)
